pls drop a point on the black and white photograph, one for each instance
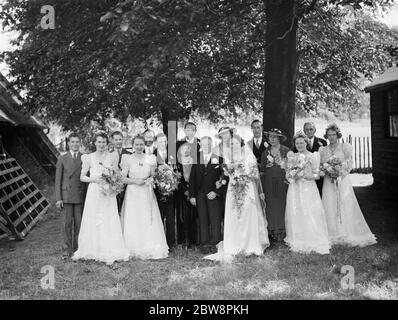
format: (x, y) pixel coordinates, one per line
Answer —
(198, 150)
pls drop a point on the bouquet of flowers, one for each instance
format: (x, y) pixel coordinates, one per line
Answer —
(295, 167)
(274, 160)
(111, 181)
(166, 179)
(240, 174)
(332, 168)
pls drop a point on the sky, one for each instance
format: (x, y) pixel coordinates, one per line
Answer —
(389, 18)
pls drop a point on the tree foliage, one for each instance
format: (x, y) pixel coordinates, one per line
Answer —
(169, 59)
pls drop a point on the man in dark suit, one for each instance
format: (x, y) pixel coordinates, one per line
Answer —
(70, 194)
(166, 204)
(314, 145)
(257, 143)
(193, 142)
(205, 195)
(117, 143)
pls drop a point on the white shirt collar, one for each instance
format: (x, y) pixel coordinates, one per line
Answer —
(190, 141)
(72, 153)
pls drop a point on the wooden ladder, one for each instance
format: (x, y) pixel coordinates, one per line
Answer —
(21, 202)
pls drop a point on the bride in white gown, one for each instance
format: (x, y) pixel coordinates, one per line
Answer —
(346, 224)
(245, 231)
(100, 236)
(305, 220)
(142, 225)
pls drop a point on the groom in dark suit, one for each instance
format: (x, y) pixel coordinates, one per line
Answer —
(205, 195)
(117, 142)
(193, 142)
(70, 194)
(314, 145)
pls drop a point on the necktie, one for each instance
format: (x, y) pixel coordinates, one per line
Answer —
(257, 144)
(74, 155)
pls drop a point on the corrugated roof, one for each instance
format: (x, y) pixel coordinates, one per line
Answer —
(10, 100)
(389, 76)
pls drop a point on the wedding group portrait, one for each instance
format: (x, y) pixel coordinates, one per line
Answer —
(209, 150)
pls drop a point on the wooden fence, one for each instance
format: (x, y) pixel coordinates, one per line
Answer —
(362, 156)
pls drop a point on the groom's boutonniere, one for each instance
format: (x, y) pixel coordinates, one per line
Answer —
(214, 161)
(320, 144)
(266, 144)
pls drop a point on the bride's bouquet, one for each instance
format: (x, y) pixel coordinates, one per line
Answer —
(295, 166)
(111, 181)
(240, 175)
(332, 168)
(166, 179)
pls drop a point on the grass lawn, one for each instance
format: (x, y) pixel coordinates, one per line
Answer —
(279, 274)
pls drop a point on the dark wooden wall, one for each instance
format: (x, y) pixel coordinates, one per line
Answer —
(384, 149)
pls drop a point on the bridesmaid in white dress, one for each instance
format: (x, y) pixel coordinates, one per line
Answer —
(306, 229)
(100, 236)
(142, 225)
(247, 234)
(346, 224)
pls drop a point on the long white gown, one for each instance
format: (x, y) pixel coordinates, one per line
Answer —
(100, 236)
(305, 220)
(346, 224)
(247, 234)
(143, 229)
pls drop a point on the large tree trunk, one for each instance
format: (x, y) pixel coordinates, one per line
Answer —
(280, 66)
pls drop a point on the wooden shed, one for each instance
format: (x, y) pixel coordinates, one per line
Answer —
(27, 163)
(384, 127)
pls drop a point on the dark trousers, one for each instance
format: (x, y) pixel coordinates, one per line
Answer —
(319, 184)
(71, 220)
(187, 230)
(120, 199)
(210, 215)
(168, 214)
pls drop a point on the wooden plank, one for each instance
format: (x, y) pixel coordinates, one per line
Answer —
(21, 202)
(355, 152)
(34, 221)
(5, 184)
(9, 223)
(10, 170)
(359, 153)
(29, 211)
(20, 189)
(4, 235)
(7, 161)
(3, 220)
(4, 228)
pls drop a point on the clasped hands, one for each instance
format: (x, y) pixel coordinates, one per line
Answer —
(211, 196)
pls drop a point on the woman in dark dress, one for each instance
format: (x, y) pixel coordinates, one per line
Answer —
(186, 213)
(273, 182)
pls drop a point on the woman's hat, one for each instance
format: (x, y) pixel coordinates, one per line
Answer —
(223, 130)
(276, 132)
